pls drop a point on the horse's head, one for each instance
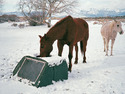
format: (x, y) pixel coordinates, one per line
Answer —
(45, 46)
(118, 27)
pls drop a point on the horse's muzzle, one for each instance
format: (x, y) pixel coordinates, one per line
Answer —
(121, 32)
(48, 55)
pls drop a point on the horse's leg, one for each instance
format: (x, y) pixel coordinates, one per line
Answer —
(104, 44)
(107, 46)
(76, 49)
(112, 43)
(60, 45)
(84, 51)
(84, 44)
(70, 57)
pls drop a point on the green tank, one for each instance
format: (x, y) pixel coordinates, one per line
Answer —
(40, 72)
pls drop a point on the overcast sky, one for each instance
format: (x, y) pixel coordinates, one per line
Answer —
(102, 4)
(10, 5)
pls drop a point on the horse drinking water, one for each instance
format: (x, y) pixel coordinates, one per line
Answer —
(67, 31)
(109, 32)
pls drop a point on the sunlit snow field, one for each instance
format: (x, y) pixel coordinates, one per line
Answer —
(100, 75)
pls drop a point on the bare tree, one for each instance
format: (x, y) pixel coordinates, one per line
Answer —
(30, 9)
(59, 6)
(45, 8)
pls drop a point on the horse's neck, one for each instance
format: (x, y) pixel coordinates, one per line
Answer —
(55, 34)
(59, 30)
(112, 33)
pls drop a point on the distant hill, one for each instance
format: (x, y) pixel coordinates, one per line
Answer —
(102, 13)
(12, 13)
(85, 13)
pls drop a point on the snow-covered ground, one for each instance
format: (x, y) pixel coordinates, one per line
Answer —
(100, 75)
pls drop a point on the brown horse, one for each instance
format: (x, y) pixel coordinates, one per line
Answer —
(67, 31)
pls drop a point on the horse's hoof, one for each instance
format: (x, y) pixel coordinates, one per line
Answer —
(59, 55)
(106, 55)
(69, 70)
(111, 55)
(38, 56)
(75, 62)
(84, 61)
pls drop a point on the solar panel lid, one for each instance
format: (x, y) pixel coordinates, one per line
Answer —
(31, 69)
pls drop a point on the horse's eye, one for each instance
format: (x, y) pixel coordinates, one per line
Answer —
(117, 25)
(42, 46)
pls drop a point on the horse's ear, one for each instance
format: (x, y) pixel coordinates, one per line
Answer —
(40, 36)
(114, 20)
(112, 25)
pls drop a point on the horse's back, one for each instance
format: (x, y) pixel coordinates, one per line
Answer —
(81, 23)
(105, 26)
(105, 29)
(82, 29)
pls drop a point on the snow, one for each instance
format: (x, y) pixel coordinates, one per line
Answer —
(53, 60)
(100, 75)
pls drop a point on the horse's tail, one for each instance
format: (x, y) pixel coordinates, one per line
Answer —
(81, 46)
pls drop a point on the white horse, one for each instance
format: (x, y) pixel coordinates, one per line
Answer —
(109, 32)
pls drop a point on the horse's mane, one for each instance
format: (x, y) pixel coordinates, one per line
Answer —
(62, 20)
(112, 24)
(59, 23)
